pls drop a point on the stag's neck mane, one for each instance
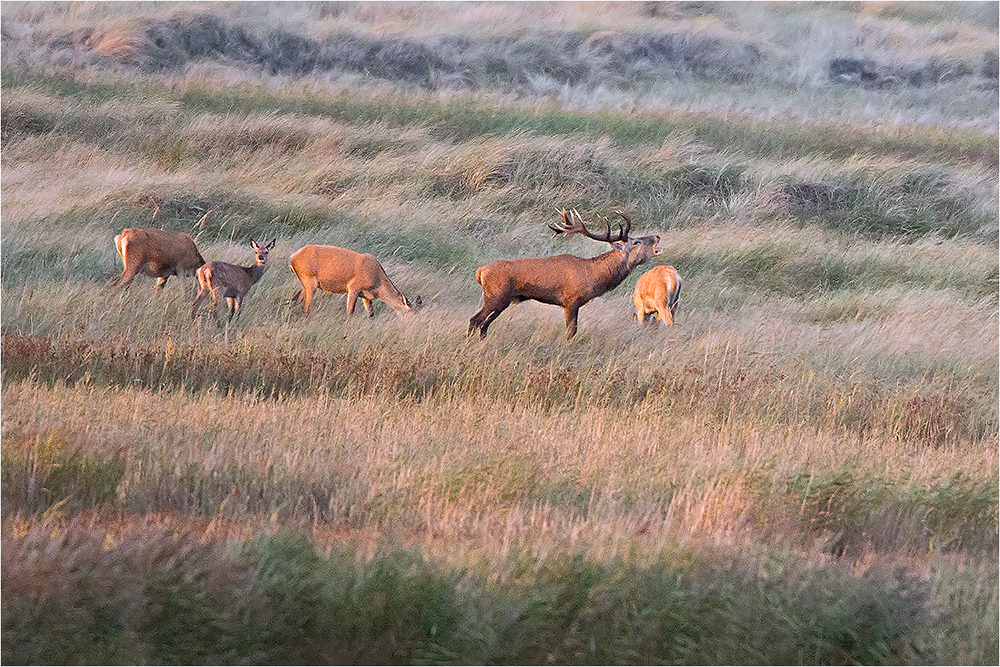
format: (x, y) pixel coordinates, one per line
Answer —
(610, 269)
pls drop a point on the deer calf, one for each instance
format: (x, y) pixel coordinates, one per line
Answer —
(341, 271)
(230, 281)
(563, 280)
(157, 253)
(657, 293)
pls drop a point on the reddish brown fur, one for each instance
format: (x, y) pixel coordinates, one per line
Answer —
(156, 253)
(564, 280)
(657, 293)
(231, 281)
(342, 271)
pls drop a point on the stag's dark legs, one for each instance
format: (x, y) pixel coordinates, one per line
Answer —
(484, 318)
(571, 317)
(489, 320)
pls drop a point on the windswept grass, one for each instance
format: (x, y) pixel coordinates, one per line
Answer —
(464, 118)
(152, 596)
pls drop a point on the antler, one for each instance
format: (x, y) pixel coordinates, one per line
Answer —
(628, 224)
(573, 224)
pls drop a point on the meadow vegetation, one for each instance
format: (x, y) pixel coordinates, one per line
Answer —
(804, 470)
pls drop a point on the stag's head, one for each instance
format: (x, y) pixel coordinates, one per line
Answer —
(638, 249)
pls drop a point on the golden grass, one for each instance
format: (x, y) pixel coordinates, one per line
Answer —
(446, 468)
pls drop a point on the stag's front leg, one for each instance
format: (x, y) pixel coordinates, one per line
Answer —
(571, 317)
(234, 307)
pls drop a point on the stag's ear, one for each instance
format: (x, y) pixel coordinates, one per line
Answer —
(624, 246)
(254, 244)
(271, 244)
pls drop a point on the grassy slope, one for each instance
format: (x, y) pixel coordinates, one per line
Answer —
(829, 397)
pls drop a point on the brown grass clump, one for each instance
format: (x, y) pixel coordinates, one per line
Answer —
(151, 44)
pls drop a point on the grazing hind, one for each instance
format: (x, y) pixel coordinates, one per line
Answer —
(157, 253)
(342, 271)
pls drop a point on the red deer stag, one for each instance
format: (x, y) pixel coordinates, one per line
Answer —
(657, 293)
(562, 280)
(230, 281)
(157, 253)
(341, 271)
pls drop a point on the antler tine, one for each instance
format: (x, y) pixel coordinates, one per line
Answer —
(567, 226)
(583, 227)
(628, 224)
(607, 233)
(622, 234)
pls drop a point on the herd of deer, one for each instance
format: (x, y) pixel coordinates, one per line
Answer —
(563, 280)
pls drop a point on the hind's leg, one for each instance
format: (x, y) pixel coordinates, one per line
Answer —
(202, 293)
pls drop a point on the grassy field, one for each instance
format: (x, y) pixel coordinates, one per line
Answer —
(804, 470)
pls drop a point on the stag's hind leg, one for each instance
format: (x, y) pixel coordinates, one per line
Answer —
(484, 318)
